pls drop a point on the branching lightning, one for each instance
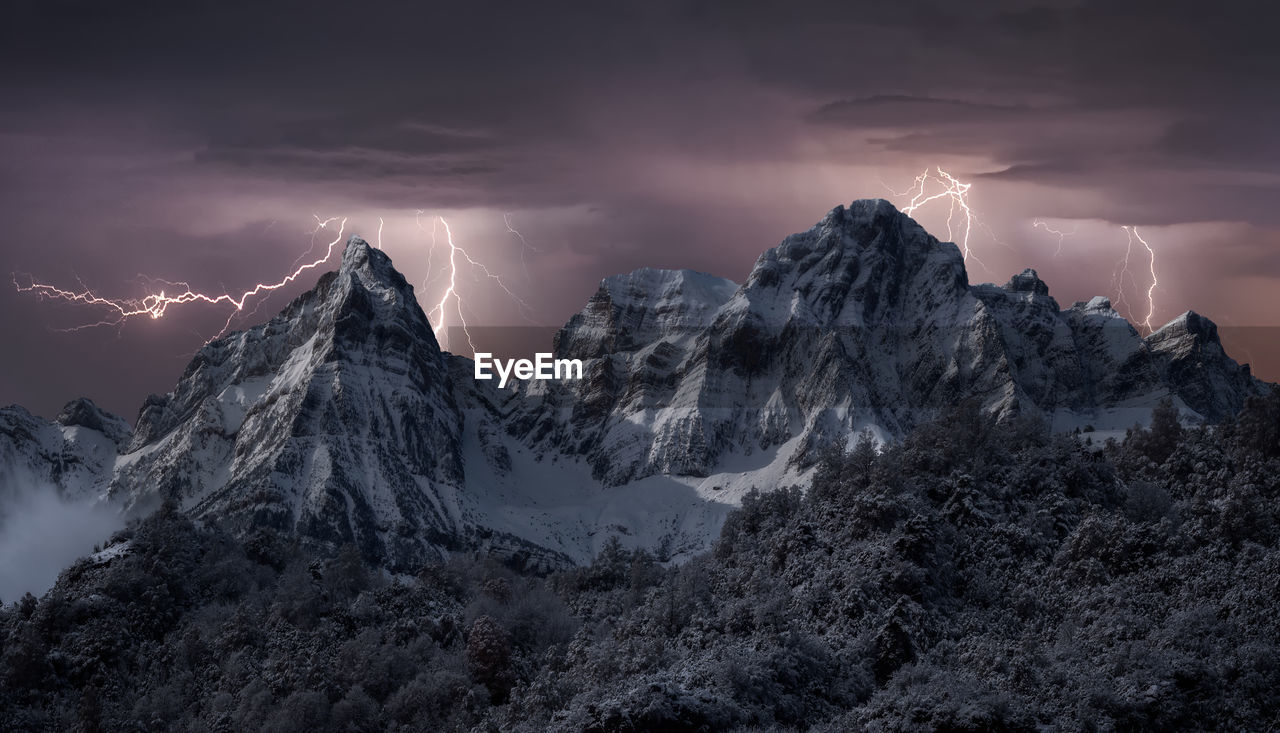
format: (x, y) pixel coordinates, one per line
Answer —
(156, 305)
(927, 187)
(1041, 224)
(451, 290)
(1124, 276)
(1131, 233)
(938, 184)
(321, 224)
(956, 193)
(524, 244)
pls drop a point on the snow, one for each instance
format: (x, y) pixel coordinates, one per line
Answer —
(379, 430)
(111, 552)
(557, 504)
(236, 400)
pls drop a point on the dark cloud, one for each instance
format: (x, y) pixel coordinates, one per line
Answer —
(897, 110)
(159, 136)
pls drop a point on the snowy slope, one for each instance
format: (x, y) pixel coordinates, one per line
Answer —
(341, 421)
(73, 454)
(864, 321)
(332, 420)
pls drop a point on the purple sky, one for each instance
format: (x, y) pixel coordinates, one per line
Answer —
(195, 141)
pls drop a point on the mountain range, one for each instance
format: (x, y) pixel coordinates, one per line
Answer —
(342, 421)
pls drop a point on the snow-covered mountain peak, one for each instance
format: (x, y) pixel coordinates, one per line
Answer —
(1188, 324)
(82, 412)
(1210, 381)
(335, 419)
(861, 264)
(356, 252)
(373, 302)
(1098, 305)
(340, 419)
(650, 287)
(1027, 281)
(641, 307)
(369, 264)
(369, 289)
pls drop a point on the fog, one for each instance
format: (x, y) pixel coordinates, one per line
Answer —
(41, 534)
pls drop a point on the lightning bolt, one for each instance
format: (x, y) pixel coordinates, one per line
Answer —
(1041, 224)
(451, 291)
(431, 252)
(156, 305)
(1121, 299)
(524, 244)
(956, 193)
(321, 224)
(379, 232)
(1131, 233)
(938, 184)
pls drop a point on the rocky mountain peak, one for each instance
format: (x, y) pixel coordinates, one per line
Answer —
(1189, 325)
(862, 264)
(1027, 281)
(82, 412)
(334, 418)
(1206, 378)
(641, 307)
(370, 265)
(1097, 305)
(340, 419)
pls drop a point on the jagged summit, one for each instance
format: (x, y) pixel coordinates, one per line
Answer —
(859, 265)
(642, 306)
(335, 419)
(72, 455)
(1210, 381)
(1096, 304)
(82, 412)
(356, 252)
(1191, 323)
(370, 263)
(1027, 281)
(341, 421)
(862, 321)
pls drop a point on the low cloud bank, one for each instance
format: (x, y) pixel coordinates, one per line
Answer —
(41, 534)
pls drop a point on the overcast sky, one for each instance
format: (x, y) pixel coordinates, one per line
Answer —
(197, 141)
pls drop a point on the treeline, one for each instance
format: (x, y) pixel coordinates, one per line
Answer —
(975, 576)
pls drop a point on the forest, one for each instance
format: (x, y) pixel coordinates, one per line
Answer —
(976, 575)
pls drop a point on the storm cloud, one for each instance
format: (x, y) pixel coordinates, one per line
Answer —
(196, 141)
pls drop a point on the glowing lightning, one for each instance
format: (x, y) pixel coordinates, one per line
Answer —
(157, 304)
(451, 291)
(417, 220)
(1123, 272)
(524, 244)
(1121, 300)
(311, 246)
(957, 194)
(1040, 224)
(1132, 233)
(938, 184)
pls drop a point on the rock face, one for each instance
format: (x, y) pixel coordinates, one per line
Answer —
(864, 321)
(334, 419)
(631, 311)
(341, 420)
(1194, 363)
(71, 456)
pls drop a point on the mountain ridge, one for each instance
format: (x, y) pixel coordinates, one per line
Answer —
(341, 420)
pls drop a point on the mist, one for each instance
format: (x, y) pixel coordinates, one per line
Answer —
(41, 534)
